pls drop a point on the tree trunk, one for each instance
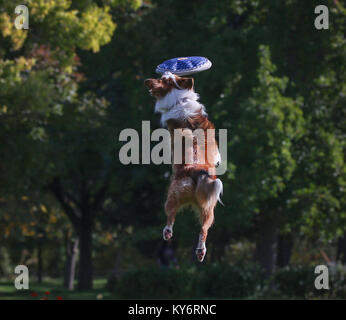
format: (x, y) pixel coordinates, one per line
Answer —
(341, 249)
(85, 256)
(70, 263)
(116, 269)
(82, 221)
(265, 252)
(284, 250)
(39, 260)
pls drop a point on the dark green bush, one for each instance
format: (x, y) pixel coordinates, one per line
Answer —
(298, 282)
(224, 281)
(228, 281)
(151, 283)
(294, 281)
(212, 281)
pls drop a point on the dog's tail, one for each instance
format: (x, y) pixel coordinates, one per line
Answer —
(208, 190)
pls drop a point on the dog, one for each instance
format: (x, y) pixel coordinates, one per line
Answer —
(193, 183)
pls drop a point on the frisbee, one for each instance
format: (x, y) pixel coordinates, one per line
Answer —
(184, 66)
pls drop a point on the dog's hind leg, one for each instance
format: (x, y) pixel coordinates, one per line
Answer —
(207, 219)
(208, 192)
(180, 192)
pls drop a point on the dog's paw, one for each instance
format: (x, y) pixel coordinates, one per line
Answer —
(167, 233)
(200, 254)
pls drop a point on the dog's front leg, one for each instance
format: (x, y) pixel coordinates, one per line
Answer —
(171, 211)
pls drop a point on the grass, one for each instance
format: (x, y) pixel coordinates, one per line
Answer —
(55, 289)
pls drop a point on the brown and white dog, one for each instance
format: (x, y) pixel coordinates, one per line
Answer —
(193, 182)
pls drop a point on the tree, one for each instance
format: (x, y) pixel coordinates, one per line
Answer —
(65, 96)
(40, 92)
(234, 31)
(267, 125)
(36, 222)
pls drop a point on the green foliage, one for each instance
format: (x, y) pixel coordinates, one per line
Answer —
(213, 281)
(337, 279)
(294, 281)
(229, 281)
(297, 282)
(277, 84)
(264, 132)
(62, 25)
(146, 284)
(224, 281)
(101, 31)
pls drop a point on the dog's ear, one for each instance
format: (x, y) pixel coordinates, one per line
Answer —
(149, 83)
(186, 83)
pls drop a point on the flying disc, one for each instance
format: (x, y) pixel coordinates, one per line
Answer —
(184, 65)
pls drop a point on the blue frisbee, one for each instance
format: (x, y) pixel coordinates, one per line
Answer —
(184, 65)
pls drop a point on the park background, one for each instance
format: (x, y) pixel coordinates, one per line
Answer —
(89, 227)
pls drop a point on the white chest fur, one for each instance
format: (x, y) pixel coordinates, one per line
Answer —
(180, 105)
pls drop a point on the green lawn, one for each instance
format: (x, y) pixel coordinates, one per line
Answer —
(54, 287)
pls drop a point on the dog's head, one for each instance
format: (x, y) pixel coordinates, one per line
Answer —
(159, 88)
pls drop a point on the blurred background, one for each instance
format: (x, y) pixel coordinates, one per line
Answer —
(89, 227)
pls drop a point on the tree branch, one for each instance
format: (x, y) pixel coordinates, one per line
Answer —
(56, 189)
(100, 195)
